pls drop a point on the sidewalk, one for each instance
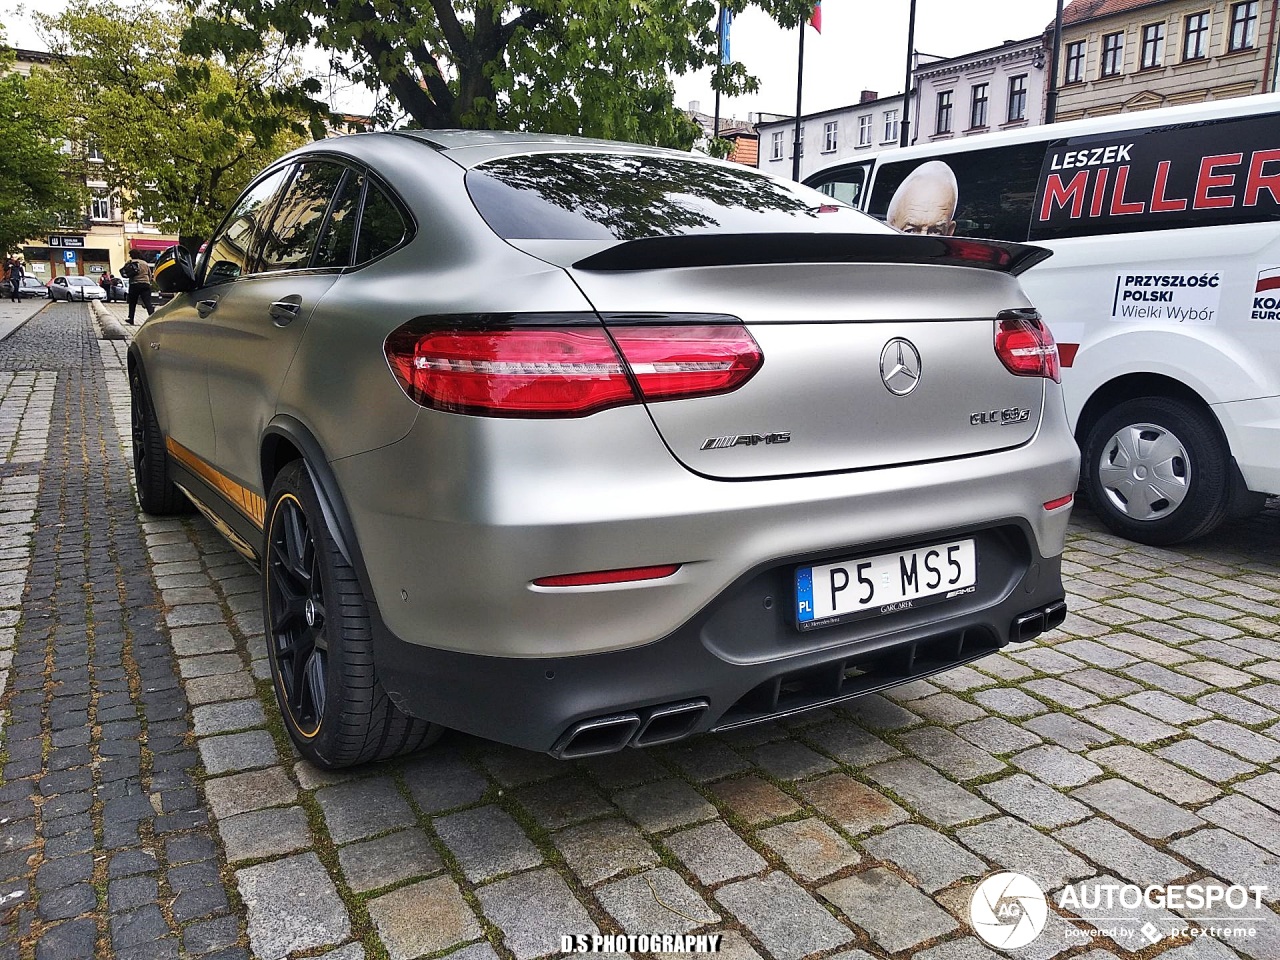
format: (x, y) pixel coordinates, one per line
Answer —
(14, 315)
(152, 807)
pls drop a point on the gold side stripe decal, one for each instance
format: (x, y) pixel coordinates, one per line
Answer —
(240, 496)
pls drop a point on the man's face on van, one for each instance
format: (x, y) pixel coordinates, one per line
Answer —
(926, 206)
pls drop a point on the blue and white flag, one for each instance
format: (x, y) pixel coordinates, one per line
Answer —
(726, 20)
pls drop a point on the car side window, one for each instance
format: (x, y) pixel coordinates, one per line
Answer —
(232, 246)
(382, 225)
(290, 238)
(338, 236)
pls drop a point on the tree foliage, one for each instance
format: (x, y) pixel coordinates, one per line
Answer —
(34, 195)
(179, 135)
(592, 67)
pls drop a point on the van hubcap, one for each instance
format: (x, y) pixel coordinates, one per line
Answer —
(1145, 471)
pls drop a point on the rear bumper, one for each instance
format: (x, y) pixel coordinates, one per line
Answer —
(740, 660)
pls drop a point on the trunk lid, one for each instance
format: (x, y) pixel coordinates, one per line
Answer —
(831, 335)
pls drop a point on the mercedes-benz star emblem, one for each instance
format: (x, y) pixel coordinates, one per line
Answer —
(900, 366)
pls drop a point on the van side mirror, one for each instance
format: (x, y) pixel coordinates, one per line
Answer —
(174, 271)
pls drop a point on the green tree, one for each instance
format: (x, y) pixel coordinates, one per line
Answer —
(592, 67)
(35, 197)
(179, 136)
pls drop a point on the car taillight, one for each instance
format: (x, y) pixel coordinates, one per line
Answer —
(1025, 346)
(567, 371)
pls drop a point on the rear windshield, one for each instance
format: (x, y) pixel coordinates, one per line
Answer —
(603, 196)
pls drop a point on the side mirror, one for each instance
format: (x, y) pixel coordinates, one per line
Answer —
(174, 271)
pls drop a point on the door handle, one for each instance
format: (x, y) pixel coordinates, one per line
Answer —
(283, 311)
(206, 307)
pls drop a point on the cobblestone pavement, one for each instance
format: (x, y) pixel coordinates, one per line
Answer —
(150, 804)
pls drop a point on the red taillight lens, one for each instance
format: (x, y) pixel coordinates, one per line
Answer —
(568, 371)
(1025, 346)
(515, 373)
(698, 361)
(598, 577)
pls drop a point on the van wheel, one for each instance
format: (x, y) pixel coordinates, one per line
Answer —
(1156, 471)
(319, 640)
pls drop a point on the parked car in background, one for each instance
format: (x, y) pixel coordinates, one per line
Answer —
(577, 445)
(31, 287)
(75, 288)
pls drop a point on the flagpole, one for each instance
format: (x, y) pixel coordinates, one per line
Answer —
(795, 146)
(720, 31)
(906, 84)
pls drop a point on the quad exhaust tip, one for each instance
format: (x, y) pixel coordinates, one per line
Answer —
(600, 735)
(670, 723)
(1035, 622)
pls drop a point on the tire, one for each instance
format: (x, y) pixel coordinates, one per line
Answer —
(157, 494)
(320, 642)
(1157, 471)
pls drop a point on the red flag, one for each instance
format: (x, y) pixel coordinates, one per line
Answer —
(815, 19)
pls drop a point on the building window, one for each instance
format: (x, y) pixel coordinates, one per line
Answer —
(1152, 45)
(864, 131)
(978, 106)
(1075, 62)
(1018, 98)
(1244, 25)
(1195, 38)
(944, 112)
(775, 152)
(891, 129)
(93, 151)
(1112, 54)
(830, 137)
(100, 206)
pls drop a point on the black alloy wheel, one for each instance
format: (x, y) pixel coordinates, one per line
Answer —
(320, 639)
(157, 493)
(296, 603)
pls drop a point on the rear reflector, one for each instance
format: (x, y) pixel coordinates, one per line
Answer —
(1060, 502)
(1025, 346)
(608, 576)
(568, 371)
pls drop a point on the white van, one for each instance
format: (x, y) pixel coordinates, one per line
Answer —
(1163, 291)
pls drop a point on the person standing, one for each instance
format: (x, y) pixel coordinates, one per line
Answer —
(16, 273)
(138, 272)
(106, 281)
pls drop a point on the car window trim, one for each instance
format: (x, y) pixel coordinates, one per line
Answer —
(350, 170)
(406, 214)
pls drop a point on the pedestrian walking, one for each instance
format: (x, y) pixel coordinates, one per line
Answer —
(138, 272)
(14, 275)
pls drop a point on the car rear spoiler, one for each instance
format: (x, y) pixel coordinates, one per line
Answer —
(721, 250)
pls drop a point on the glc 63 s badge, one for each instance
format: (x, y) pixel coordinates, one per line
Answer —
(1004, 417)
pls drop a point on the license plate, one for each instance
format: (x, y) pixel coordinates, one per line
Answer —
(871, 586)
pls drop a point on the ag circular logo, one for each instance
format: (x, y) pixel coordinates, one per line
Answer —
(1008, 910)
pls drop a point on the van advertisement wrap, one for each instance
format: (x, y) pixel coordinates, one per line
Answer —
(1190, 175)
(1171, 297)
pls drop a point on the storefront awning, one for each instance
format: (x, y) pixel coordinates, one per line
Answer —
(150, 243)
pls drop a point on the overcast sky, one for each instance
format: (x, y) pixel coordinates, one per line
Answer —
(862, 47)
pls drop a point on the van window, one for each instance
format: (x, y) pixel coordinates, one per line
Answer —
(843, 183)
(992, 197)
(1164, 178)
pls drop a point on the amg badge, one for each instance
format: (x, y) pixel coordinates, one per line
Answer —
(744, 440)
